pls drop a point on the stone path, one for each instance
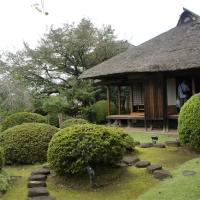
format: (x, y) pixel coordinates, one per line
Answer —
(37, 187)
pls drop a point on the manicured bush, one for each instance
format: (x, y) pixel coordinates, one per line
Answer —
(20, 118)
(189, 123)
(4, 181)
(2, 159)
(75, 147)
(98, 111)
(73, 121)
(27, 143)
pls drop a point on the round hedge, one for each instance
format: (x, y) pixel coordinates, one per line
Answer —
(73, 121)
(101, 110)
(2, 159)
(189, 123)
(75, 147)
(20, 118)
(27, 143)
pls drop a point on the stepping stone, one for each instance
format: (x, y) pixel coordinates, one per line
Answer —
(142, 164)
(159, 145)
(136, 143)
(188, 173)
(174, 143)
(121, 164)
(38, 177)
(146, 145)
(42, 198)
(32, 184)
(152, 168)
(37, 191)
(43, 171)
(161, 174)
(130, 160)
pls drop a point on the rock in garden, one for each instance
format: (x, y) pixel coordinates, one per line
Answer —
(188, 173)
(130, 160)
(146, 145)
(161, 174)
(38, 191)
(142, 164)
(32, 184)
(152, 168)
(174, 143)
(121, 164)
(43, 171)
(159, 145)
(42, 198)
(136, 143)
(38, 177)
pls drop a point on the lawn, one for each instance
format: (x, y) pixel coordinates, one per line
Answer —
(127, 183)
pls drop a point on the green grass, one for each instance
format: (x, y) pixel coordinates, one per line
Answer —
(115, 184)
(179, 187)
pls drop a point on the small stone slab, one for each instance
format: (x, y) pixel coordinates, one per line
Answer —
(136, 143)
(146, 145)
(38, 191)
(32, 184)
(161, 174)
(188, 173)
(121, 164)
(43, 171)
(38, 177)
(174, 143)
(159, 145)
(142, 164)
(42, 198)
(154, 167)
(130, 160)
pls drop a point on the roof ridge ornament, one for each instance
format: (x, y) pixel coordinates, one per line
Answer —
(187, 16)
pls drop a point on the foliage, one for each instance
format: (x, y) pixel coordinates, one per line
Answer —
(189, 123)
(2, 159)
(20, 118)
(4, 181)
(75, 147)
(26, 143)
(73, 121)
(98, 111)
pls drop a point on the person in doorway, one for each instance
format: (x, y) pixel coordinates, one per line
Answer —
(183, 92)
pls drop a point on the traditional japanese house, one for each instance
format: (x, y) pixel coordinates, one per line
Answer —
(146, 77)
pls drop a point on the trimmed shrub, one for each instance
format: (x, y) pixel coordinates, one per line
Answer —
(27, 143)
(4, 181)
(20, 118)
(2, 159)
(189, 123)
(100, 111)
(75, 147)
(73, 121)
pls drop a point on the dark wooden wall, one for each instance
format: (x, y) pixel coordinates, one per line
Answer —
(154, 95)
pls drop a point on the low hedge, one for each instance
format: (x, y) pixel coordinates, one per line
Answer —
(2, 158)
(75, 147)
(73, 121)
(4, 181)
(27, 143)
(20, 118)
(189, 123)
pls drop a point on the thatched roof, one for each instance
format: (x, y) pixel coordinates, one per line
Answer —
(176, 49)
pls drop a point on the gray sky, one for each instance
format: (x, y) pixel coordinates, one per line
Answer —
(133, 20)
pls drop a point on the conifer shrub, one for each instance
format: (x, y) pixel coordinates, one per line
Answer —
(74, 148)
(20, 118)
(73, 121)
(189, 123)
(27, 143)
(2, 159)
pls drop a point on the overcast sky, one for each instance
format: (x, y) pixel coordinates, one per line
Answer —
(133, 20)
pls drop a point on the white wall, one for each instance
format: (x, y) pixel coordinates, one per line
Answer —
(171, 91)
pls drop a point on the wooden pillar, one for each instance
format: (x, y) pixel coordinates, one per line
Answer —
(108, 99)
(193, 86)
(119, 100)
(131, 102)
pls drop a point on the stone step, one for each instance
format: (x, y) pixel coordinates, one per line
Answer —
(38, 177)
(42, 198)
(154, 167)
(42, 171)
(130, 160)
(159, 145)
(142, 164)
(162, 174)
(37, 191)
(146, 145)
(174, 143)
(32, 184)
